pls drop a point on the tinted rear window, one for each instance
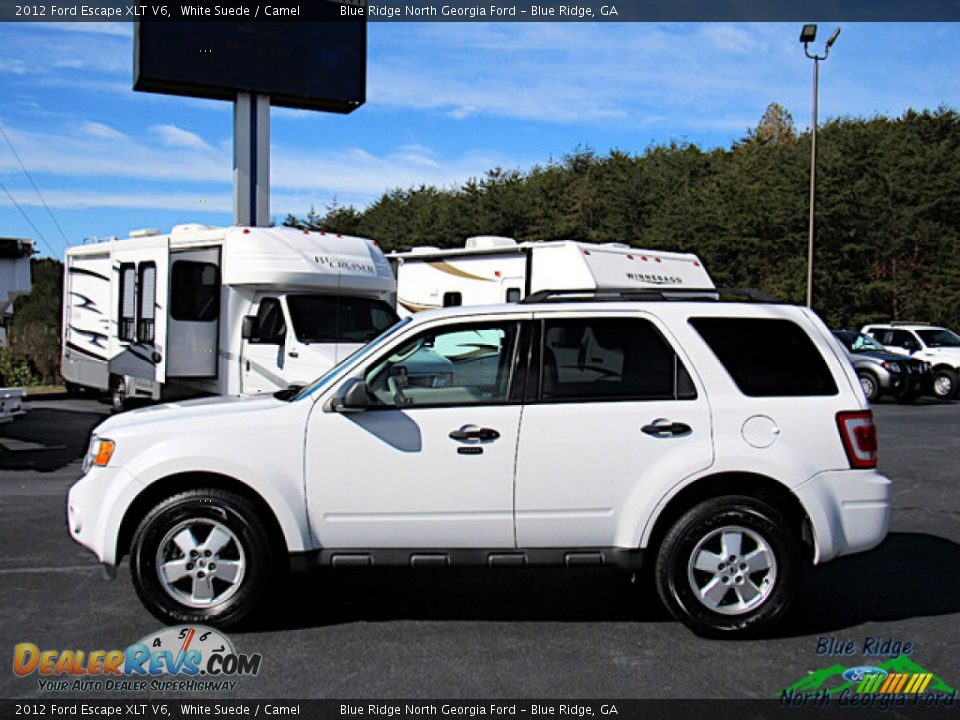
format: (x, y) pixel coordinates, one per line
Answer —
(767, 358)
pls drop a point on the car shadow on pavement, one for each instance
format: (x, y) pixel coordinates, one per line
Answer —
(45, 439)
(909, 575)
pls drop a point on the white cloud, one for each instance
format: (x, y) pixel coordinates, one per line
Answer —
(174, 137)
(99, 130)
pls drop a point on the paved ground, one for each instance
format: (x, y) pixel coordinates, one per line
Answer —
(541, 633)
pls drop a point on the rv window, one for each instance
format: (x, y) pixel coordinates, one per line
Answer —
(332, 318)
(127, 313)
(271, 327)
(147, 293)
(452, 299)
(610, 359)
(194, 291)
(513, 295)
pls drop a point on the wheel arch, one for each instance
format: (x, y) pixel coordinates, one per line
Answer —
(168, 486)
(750, 484)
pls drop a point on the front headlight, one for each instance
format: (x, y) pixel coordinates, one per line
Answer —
(99, 453)
(891, 366)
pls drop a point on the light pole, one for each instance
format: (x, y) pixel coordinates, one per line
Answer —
(807, 35)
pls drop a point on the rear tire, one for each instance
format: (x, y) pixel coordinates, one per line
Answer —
(870, 385)
(203, 556)
(945, 383)
(729, 567)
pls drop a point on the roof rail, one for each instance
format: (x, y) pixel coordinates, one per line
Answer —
(900, 323)
(647, 294)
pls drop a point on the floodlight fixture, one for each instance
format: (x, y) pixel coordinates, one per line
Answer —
(808, 34)
(833, 37)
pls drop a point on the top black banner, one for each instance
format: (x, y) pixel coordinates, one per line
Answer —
(602, 11)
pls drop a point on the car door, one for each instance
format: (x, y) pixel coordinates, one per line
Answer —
(264, 354)
(615, 418)
(431, 463)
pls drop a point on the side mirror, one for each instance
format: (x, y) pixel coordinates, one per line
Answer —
(249, 328)
(354, 396)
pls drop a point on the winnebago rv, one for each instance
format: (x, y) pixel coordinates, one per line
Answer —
(14, 280)
(491, 270)
(224, 311)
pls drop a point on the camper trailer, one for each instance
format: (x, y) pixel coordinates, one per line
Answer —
(14, 280)
(225, 311)
(490, 270)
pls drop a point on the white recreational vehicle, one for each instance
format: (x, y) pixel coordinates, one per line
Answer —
(14, 280)
(490, 270)
(227, 311)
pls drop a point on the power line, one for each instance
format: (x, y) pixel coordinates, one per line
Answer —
(26, 217)
(35, 188)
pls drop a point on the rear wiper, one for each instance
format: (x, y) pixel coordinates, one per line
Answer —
(288, 393)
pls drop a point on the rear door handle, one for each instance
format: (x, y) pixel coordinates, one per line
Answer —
(662, 427)
(471, 432)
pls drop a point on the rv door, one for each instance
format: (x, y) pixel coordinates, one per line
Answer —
(139, 346)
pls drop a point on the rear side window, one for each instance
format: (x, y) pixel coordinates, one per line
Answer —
(767, 357)
(610, 359)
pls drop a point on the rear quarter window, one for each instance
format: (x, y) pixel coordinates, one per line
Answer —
(767, 357)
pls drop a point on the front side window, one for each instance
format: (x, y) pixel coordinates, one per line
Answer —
(194, 291)
(610, 359)
(335, 318)
(271, 328)
(767, 357)
(903, 339)
(453, 365)
(147, 291)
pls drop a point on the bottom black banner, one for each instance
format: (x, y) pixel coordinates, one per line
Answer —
(812, 706)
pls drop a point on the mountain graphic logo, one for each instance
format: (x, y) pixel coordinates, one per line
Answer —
(831, 679)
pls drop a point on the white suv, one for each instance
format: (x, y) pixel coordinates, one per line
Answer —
(936, 345)
(725, 444)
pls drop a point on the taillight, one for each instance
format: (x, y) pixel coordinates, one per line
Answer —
(859, 436)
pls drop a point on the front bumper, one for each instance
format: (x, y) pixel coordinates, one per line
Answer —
(849, 510)
(96, 504)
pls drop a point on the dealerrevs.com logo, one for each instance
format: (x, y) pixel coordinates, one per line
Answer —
(182, 659)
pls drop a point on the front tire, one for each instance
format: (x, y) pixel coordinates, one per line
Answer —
(945, 383)
(202, 555)
(729, 567)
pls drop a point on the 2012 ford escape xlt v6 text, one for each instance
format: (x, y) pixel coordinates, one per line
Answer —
(724, 443)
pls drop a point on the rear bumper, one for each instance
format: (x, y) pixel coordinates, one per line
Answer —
(849, 510)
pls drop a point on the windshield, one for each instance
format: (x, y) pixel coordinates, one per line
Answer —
(337, 369)
(939, 338)
(335, 318)
(859, 342)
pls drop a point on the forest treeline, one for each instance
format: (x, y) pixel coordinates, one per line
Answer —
(888, 211)
(888, 219)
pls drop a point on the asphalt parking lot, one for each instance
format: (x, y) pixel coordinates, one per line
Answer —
(484, 634)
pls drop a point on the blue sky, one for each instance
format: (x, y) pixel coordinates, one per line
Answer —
(445, 102)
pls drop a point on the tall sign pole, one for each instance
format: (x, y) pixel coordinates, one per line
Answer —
(251, 160)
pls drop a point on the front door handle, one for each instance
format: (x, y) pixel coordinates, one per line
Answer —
(293, 354)
(471, 432)
(662, 427)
